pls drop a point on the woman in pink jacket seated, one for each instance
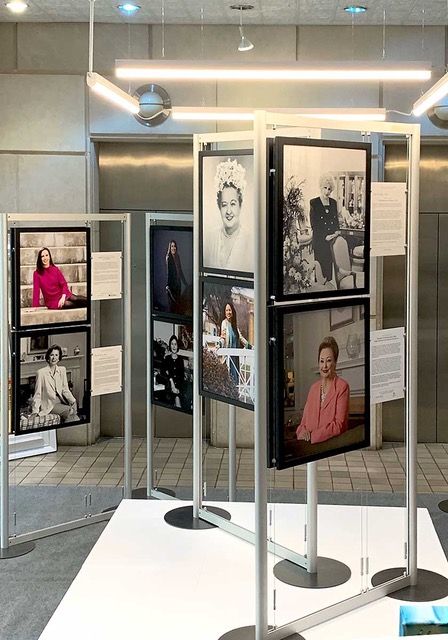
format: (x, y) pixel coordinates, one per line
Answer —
(326, 409)
(49, 279)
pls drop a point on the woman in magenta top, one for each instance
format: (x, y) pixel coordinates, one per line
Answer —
(326, 408)
(49, 279)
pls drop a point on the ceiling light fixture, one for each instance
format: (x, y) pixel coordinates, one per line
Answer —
(17, 6)
(192, 70)
(237, 114)
(129, 8)
(102, 86)
(245, 44)
(355, 8)
(431, 97)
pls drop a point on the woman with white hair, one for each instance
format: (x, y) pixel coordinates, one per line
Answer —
(325, 225)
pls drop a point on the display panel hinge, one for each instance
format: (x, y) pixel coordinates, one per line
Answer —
(362, 566)
(270, 517)
(367, 566)
(305, 532)
(274, 599)
(204, 489)
(405, 550)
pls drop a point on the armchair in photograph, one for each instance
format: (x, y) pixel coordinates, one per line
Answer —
(346, 277)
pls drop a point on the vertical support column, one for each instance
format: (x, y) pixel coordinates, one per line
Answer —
(311, 516)
(232, 453)
(197, 341)
(4, 391)
(260, 408)
(149, 380)
(411, 348)
(127, 335)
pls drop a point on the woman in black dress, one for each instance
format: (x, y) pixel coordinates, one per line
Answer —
(325, 225)
(174, 371)
(174, 276)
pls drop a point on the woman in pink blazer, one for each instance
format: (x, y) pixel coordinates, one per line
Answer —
(326, 409)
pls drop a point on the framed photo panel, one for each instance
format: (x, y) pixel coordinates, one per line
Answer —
(172, 270)
(319, 403)
(172, 365)
(227, 355)
(226, 200)
(50, 277)
(321, 229)
(51, 379)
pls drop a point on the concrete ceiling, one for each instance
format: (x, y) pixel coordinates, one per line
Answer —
(265, 12)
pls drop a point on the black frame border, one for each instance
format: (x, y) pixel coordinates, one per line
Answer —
(275, 241)
(245, 284)
(202, 268)
(275, 380)
(164, 315)
(16, 364)
(15, 278)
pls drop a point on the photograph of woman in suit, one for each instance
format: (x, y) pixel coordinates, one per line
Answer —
(326, 408)
(52, 393)
(49, 280)
(175, 373)
(325, 225)
(174, 276)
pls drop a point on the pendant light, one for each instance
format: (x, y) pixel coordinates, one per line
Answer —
(245, 44)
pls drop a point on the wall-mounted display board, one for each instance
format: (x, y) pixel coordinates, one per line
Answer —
(227, 217)
(172, 365)
(172, 271)
(50, 277)
(318, 246)
(227, 354)
(51, 379)
(319, 364)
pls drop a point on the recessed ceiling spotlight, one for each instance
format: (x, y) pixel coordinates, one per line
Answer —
(129, 8)
(355, 8)
(17, 6)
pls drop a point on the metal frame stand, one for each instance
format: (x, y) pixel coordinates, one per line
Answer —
(15, 546)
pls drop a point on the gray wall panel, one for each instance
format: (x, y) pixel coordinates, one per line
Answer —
(442, 317)
(42, 113)
(51, 184)
(339, 43)
(8, 183)
(63, 48)
(7, 47)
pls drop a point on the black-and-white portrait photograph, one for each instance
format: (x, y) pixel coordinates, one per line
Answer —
(320, 404)
(228, 356)
(321, 243)
(51, 381)
(172, 270)
(51, 277)
(172, 366)
(227, 212)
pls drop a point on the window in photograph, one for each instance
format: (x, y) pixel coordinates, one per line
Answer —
(227, 355)
(321, 227)
(227, 212)
(51, 277)
(319, 405)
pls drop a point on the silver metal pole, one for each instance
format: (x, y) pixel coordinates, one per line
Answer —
(91, 23)
(149, 380)
(4, 392)
(412, 347)
(197, 341)
(232, 453)
(311, 516)
(127, 318)
(260, 416)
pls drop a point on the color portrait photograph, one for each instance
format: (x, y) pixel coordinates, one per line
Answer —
(320, 405)
(228, 362)
(51, 277)
(321, 243)
(51, 382)
(227, 212)
(172, 270)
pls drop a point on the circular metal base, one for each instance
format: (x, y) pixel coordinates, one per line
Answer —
(330, 573)
(248, 633)
(182, 518)
(443, 506)
(140, 494)
(16, 550)
(430, 585)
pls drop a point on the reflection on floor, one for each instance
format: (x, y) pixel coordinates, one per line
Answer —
(102, 465)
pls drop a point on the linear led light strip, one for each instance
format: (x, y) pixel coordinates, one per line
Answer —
(431, 97)
(190, 70)
(231, 113)
(113, 93)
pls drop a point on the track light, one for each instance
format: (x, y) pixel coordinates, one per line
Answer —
(431, 97)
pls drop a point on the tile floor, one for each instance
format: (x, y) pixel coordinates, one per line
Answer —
(102, 465)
